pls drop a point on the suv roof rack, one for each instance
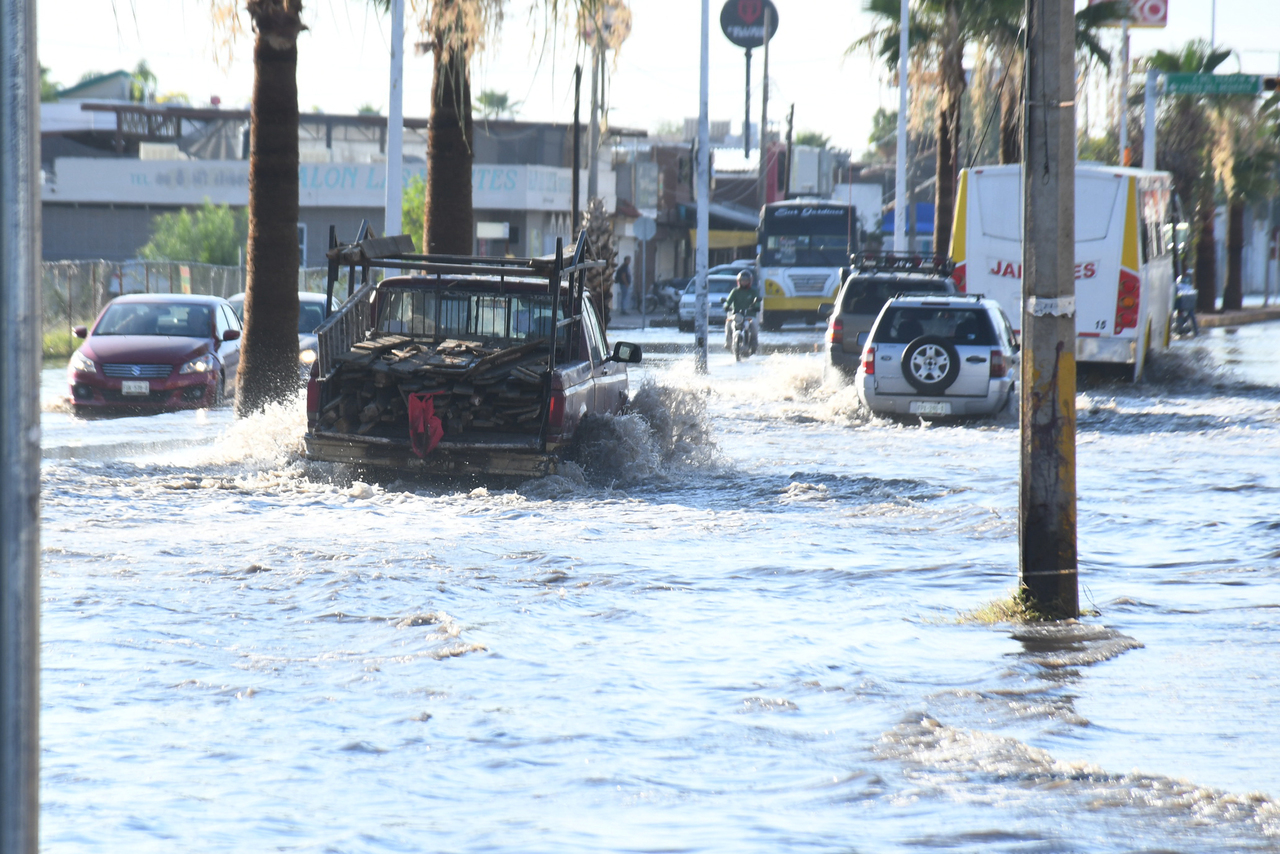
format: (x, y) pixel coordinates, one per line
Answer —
(901, 262)
(937, 296)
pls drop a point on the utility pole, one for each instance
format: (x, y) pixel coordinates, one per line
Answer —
(746, 113)
(764, 114)
(577, 151)
(791, 121)
(19, 431)
(1124, 90)
(593, 142)
(395, 121)
(1149, 120)
(704, 188)
(900, 211)
(1047, 500)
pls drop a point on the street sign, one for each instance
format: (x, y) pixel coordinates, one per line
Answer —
(645, 228)
(743, 22)
(1143, 13)
(1212, 84)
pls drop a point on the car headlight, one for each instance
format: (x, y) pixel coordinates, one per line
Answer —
(80, 363)
(307, 357)
(200, 365)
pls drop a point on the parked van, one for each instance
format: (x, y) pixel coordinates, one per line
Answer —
(1124, 267)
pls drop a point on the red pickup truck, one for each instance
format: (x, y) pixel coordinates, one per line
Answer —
(460, 365)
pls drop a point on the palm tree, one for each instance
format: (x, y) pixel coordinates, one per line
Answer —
(1245, 158)
(269, 350)
(1184, 143)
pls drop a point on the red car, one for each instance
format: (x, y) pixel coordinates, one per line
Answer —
(157, 352)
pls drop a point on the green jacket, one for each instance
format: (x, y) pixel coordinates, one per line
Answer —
(742, 299)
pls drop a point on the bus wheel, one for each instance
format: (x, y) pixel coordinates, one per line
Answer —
(772, 321)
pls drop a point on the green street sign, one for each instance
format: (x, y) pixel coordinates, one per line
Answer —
(1212, 84)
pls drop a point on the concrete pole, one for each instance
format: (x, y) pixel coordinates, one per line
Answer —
(395, 121)
(19, 431)
(1047, 501)
(761, 180)
(576, 204)
(704, 192)
(593, 142)
(1124, 92)
(1149, 120)
(746, 113)
(900, 209)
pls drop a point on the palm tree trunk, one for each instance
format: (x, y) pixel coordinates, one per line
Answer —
(1233, 291)
(269, 350)
(1011, 112)
(952, 73)
(448, 218)
(1206, 260)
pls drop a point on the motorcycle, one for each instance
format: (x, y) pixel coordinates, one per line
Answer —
(664, 298)
(741, 340)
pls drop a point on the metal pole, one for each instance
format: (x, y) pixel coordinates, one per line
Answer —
(593, 143)
(704, 190)
(746, 113)
(764, 117)
(1124, 92)
(900, 209)
(644, 312)
(1149, 120)
(395, 121)
(1047, 501)
(577, 149)
(19, 431)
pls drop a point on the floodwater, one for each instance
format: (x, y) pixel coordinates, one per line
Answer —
(742, 629)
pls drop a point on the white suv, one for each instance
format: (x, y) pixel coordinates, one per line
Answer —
(938, 356)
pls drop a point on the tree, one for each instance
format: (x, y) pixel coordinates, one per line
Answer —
(48, 89)
(812, 137)
(1183, 148)
(143, 87)
(412, 204)
(884, 135)
(1246, 153)
(494, 105)
(212, 234)
(269, 349)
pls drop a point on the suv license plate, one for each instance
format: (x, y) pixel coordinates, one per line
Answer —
(135, 387)
(926, 407)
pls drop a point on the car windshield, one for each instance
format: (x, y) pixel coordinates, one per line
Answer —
(310, 315)
(715, 285)
(155, 318)
(962, 326)
(868, 296)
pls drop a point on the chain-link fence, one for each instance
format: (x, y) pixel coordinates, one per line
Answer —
(74, 292)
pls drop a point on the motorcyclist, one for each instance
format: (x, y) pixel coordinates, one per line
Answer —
(746, 299)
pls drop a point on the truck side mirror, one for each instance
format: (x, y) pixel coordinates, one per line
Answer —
(826, 309)
(626, 352)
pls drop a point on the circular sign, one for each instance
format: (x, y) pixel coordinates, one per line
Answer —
(645, 228)
(743, 21)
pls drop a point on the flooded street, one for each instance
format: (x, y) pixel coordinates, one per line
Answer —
(746, 629)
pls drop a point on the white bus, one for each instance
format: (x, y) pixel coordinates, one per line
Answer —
(1124, 267)
(805, 246)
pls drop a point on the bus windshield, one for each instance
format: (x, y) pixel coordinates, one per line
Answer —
(806, 235)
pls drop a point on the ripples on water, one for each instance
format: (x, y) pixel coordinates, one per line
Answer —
(731, 625)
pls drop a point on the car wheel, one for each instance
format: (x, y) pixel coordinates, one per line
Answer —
(684, 327)
(931, 364)
(219, 392)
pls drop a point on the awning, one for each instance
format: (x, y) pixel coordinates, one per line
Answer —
(723, 239)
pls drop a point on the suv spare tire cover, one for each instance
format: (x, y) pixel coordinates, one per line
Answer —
(931, 364)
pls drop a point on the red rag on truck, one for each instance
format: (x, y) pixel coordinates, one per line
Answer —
(425, 429)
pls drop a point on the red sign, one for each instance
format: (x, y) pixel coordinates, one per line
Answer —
(1143, 13)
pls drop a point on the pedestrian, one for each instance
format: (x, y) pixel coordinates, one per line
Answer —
(623, 279)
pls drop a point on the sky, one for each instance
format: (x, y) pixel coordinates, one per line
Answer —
(343, 58)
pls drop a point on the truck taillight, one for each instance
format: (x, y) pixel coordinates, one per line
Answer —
(1127, 297)
(999, 367)
(957, 276)
(835, 332)
(869, 360)
(555, 411)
